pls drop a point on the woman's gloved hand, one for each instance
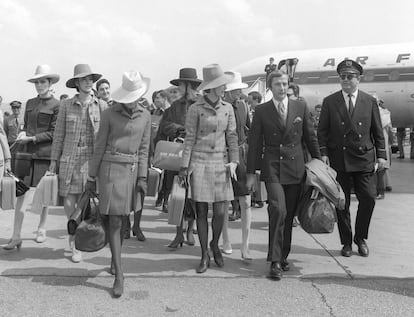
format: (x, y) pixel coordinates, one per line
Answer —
(232, 169)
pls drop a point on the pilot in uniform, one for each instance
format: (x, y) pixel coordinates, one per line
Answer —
(12, 123)
(351, 141)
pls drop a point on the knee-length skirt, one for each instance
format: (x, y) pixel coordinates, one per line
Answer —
(117, 188)
(209, 178)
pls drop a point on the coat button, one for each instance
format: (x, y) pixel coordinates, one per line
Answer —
(292, 158)
(274, 133)
(281, 145)
(360, 148)
(359, 123)
(360, 136)
(344, 148)
(344, 135)
(281, 157)
(342, 123)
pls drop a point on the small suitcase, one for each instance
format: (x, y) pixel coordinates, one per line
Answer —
(153, 181)
(8, 193)
(176, 202)
(260, 194)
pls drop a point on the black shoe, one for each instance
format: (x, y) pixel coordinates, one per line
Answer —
(165, 207)
(362, 247)
(285, 265)
(190, 237)
(204, 264)
(234, 217)
(127, 234)
(275, 272)
(158, 202)
(388, 188)
(138, 233)
(260, 204)
(380, 196)
(346, 250)
(218, 258)
(400, 157)
(178, 241)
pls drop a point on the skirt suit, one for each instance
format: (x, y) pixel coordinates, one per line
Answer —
(210, 143)
(121, 158)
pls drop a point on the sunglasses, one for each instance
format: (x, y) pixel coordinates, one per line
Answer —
(349, 76)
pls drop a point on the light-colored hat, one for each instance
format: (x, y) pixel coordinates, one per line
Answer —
(236, 83)
(81, 71)
(213, 77)
(133, 87)
(44, 71)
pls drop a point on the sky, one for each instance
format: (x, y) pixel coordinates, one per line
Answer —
(159, 37)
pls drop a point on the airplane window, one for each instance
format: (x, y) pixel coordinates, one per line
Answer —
(369, 75)
(324, 77)
(394, 75)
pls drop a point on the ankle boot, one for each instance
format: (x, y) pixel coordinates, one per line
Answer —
(136, 229)
(204, 263)
(127, 232)
(178, 240)
(218, 257)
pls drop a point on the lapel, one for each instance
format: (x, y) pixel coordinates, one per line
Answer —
(357, 108)
(274, 116)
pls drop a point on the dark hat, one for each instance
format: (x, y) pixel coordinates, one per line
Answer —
(187, 75)
(349, 66)
(15, 104)
(81, 71)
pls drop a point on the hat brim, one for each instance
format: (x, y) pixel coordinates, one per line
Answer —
(224, 79)
(54, 78)
(231, 87)
(176, 82)
(71, 82)
(124, 96)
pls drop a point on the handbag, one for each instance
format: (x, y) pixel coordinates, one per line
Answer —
(176, 202)
(168, 155)
(316, 213)
(21, 187)
(83, 210)
(90, 235)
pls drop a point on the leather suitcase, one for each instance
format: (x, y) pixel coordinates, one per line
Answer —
(176, 202)
(260, 193)
(8, 193)
(153, 182)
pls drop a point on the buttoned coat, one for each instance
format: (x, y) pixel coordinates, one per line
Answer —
(67, 135)
(121, 157)
(351, 143)
(284, 158)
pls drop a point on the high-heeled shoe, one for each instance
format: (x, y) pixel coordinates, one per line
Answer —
(118, 288)
(138, 233)
(17, 243)
(178, 241)
(245, 255)
(204, 264)
(218, 257)
(190, 238)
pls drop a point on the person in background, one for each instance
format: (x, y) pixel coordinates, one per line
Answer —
(103, 89)
(120, 163)
(351, 141)
(269, 68)
(210, 128)
(283, 125)
(254, 98)
(173, 94)
(74, 140)
(316, 116)
(241, 193)
(400, 139)
(12, 124)
(173, 126)
(36, 138)
(159, 103)
(63, 97)
(382, 174)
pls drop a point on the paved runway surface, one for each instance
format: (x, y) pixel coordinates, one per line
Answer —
(40, 279)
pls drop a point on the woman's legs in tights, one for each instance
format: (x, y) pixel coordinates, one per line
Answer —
(246, 220)
(202, 226)
(217, 222)
(115, 241)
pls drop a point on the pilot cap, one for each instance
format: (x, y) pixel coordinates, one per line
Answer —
(15, 104)
(349, 66)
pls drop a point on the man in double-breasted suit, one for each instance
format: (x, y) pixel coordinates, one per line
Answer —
(282, 126)
(351, 141)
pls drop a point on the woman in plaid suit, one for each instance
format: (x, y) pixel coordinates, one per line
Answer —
(76, 127)
(211, 127)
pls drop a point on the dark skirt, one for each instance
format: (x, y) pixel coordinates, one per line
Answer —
(38, 169)
(239, 186)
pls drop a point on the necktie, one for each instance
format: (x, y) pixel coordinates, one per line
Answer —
(282, 111)
(350, 105)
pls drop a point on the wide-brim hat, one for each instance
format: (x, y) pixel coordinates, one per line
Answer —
(81, 71)
(236, 83)
(188, 75)
(213, 77)
(133, 87)
(44, 71)
(349, 66)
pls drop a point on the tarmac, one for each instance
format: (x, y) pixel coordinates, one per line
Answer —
(41, 280)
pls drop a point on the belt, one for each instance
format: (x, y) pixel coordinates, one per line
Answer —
(120, 157)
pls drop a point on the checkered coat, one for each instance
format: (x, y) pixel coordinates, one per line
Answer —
(67, 135)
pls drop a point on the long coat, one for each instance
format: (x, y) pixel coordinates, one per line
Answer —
(351, 143)
(284, 158)
(67, 135)
(121, 157)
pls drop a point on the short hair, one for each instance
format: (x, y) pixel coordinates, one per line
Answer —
(102, 81)
(162, 93)
(295, 89)
(256, 96)
(271, 59)
(318, 106)
(275, 74)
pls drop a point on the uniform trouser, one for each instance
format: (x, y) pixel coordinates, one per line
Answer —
(365, 190)
(283, 200)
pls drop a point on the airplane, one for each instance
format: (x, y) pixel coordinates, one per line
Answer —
(388, 73)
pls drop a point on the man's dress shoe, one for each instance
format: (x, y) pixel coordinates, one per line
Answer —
(346, 250)
(362, 247)
(275, 272)
(285, 266)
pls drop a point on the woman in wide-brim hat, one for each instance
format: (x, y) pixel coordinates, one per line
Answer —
(173, 126)
(74, 139)
(120, 162)
(211, 134)
(36, 138)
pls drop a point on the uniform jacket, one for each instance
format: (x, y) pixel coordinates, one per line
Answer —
(349, 141)
(67, 133)
(121, 132)
(40, 120)
(210, 130)
(12, 128)
(284, 158)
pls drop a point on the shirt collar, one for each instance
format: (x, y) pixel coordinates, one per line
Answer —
(285, 102)
(354, 95)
